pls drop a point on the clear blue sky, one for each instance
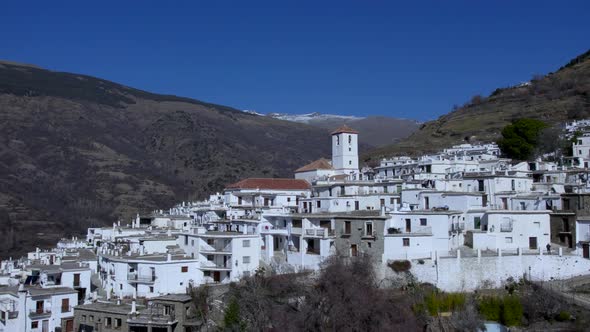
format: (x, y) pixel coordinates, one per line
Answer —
(407, 59)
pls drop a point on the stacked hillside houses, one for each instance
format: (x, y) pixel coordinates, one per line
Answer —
(462, 217)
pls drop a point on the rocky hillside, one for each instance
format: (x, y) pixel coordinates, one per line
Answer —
(78, 151)
(554, 98)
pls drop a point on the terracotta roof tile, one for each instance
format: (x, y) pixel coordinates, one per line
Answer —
(344, 129)
(271, 184)
(321, 163)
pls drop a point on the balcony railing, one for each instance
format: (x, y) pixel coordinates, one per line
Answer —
(319, 232)
(141, 278)
(40, 312)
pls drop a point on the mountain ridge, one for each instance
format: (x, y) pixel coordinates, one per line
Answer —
(79, 151)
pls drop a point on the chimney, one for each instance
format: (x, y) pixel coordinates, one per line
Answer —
(169, 257)
(133, 307)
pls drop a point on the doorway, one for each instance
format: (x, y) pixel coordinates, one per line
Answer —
(533, 243)
(216, 276)
(586, 250)
(353, 250)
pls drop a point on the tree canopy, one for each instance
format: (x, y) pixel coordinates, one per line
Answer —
(520, 138)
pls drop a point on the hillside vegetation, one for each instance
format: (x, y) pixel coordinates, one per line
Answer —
(553, 98)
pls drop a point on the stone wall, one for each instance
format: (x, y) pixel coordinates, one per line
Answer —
(470, 273)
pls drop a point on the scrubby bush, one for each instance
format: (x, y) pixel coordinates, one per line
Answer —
(400, 266)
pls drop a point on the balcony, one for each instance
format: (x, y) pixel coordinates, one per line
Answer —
(215, 249)
(419, 230)
(213, 266)
(66, 309)
(318, 232)
(140, 279)
(39, 313)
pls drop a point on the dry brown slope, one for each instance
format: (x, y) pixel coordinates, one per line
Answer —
(78, 151)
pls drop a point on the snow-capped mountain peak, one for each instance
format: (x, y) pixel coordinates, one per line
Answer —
(308, 117)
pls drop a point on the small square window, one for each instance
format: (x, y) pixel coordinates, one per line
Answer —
(34, 324)
(406, 242)
(184, 269)
(423, 222)
(246, 243)
(246, 259)
(508, 240)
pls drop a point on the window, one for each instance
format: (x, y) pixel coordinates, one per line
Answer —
(246, 243)
(347, 227)
(423, 222)
(65, 305)
(184, 269)
(522, 205)
(186, 240)
(193, 243)
(288, 199)
(406, 242)
(337, 140)
(239, 200)
(107, 321)
(319, 204)
(391, 201)
(369, 244)
(91, 318)
(83, 318)
(76, 279)
(349, 139)
(34, 324)
(246, 259)
(369, 228)
(537, 224)
(508, 240)
(476, 222)
(117, 323)
(151, 289)
(350, 162)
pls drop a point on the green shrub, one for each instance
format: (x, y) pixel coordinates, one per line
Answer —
(563, 316)
(490, 307)
(511, 311)
(436, 302)
(507, 310)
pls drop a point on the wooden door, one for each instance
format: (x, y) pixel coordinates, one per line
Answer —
(70, 325)
(532, 243)
(586, 250)
(408, 225)
(39, 307)
(216, 276)
(353, 250)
